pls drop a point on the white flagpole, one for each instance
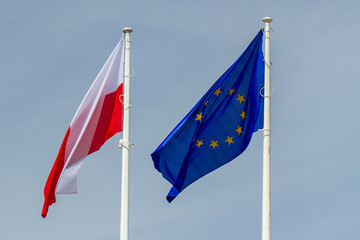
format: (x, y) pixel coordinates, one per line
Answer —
(266, 138)
(125, 143)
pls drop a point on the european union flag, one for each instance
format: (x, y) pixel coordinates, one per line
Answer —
(219, 127)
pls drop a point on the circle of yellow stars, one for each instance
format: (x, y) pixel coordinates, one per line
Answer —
(229, 140)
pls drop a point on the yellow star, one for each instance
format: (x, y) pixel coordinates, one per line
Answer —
(206, 103)
(217, 92)
(240, 98)
(229, 140)
(231, 91)
(242, 114)
(198, 117)
(199, 143)
(214, 144)
(239, 130)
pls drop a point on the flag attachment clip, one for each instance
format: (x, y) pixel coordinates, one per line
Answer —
(124, 144)
(271, 92)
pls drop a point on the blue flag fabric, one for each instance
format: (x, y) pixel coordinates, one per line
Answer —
(219, 127)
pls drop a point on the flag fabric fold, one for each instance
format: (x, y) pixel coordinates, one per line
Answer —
(220, 125)
(99, 117)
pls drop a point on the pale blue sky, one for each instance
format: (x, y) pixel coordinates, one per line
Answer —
(51, 51)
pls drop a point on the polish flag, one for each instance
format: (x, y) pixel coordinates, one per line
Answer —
(99, 117)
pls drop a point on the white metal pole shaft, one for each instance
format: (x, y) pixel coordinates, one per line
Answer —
(266, 138)
(125, 143)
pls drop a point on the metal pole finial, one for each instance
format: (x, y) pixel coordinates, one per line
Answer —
(127, 30)
(267, 19)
